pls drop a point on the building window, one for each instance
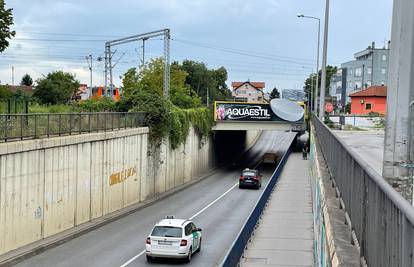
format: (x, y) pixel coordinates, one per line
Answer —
(384, 57)
(369, 70)
(358, 72)
(350, 71)
(368, 106)
(383, 70)
(357, 84)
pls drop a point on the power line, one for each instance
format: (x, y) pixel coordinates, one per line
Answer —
(247, 53)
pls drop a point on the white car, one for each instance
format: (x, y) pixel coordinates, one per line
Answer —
(173, 238)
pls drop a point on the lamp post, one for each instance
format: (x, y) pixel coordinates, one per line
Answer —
(315, 95)
(324, 60)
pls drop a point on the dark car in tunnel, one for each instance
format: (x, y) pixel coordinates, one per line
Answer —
(250, 178)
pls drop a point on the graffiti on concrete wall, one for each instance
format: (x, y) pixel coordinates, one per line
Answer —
(119, 177)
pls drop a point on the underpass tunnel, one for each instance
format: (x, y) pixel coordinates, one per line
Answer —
(228, 146)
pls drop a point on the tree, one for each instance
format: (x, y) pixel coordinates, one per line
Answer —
(275, 93)
(5, 92)
(203, 80)
(311, 80)
(6, 20)
(57, 87)
(26, 80)
(150, 80)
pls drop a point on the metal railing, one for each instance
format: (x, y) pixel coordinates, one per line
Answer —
(236, 250)
(14, 127)
(382, 220)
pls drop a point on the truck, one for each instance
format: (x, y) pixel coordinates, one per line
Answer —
(270, 158)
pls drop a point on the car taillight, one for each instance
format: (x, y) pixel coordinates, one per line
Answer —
(241, 177)
(148, 241)
(256, 177)
(183, 243)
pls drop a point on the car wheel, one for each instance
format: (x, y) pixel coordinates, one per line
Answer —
(240, 186)
(188, 259)
(199, 246)
(149, 258)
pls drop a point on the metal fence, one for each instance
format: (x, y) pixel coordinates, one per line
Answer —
(15, 127)
(381, 219)
(357, 121)
(236, 250)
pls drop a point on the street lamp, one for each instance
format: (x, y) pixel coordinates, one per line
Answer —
(315, 105)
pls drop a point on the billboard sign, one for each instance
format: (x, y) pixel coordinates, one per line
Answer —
(239, 111)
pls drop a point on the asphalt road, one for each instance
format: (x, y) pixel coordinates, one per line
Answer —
(368, 144)
(218, 206)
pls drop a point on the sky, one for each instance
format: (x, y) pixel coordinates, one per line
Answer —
(260, 40)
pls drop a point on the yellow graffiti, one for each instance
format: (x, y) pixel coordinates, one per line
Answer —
(119, 177)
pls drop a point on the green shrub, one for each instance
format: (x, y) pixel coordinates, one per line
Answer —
(103, 104)
(163, 118)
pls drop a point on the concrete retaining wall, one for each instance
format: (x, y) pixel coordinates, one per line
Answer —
(168, 168)
(50, 185)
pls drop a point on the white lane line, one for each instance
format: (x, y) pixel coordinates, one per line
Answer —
(133, 258)
(212, 203)
(192, 217)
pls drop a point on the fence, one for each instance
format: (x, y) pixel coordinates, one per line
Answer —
(357, 121)
(233, 256)
(380, 218)
(15, 127)
(14, 105)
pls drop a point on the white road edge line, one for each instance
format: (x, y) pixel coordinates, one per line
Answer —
(192, 217)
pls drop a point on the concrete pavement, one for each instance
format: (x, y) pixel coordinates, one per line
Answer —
(284, 236)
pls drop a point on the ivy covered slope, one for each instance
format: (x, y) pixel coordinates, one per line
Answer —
(166, 117)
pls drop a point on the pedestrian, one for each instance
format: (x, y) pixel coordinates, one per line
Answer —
(305, 151)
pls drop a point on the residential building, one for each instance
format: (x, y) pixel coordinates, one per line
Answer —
(369, 68)
(293, 94)
(371, 99)
(250, 91)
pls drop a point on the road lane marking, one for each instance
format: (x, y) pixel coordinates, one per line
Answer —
(192, 217)
(212, 203)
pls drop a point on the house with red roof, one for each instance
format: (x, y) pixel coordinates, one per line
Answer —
(371, 99)
(249, 91)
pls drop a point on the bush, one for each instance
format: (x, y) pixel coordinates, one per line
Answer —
(103, 104)
(58, 108)
(163, 118)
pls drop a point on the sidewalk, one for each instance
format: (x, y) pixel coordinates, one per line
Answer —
(284, 236)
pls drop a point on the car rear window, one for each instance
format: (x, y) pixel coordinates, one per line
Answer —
(167, 231)
(249, 173)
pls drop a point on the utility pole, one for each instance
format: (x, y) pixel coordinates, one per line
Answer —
(89, 60)
(12, 75)
(143, 52)
(399, 132)
(324, 59)
(108, 56)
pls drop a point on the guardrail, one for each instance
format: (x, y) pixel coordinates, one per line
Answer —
(236, 250)
(381, 219)
(14, 127)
